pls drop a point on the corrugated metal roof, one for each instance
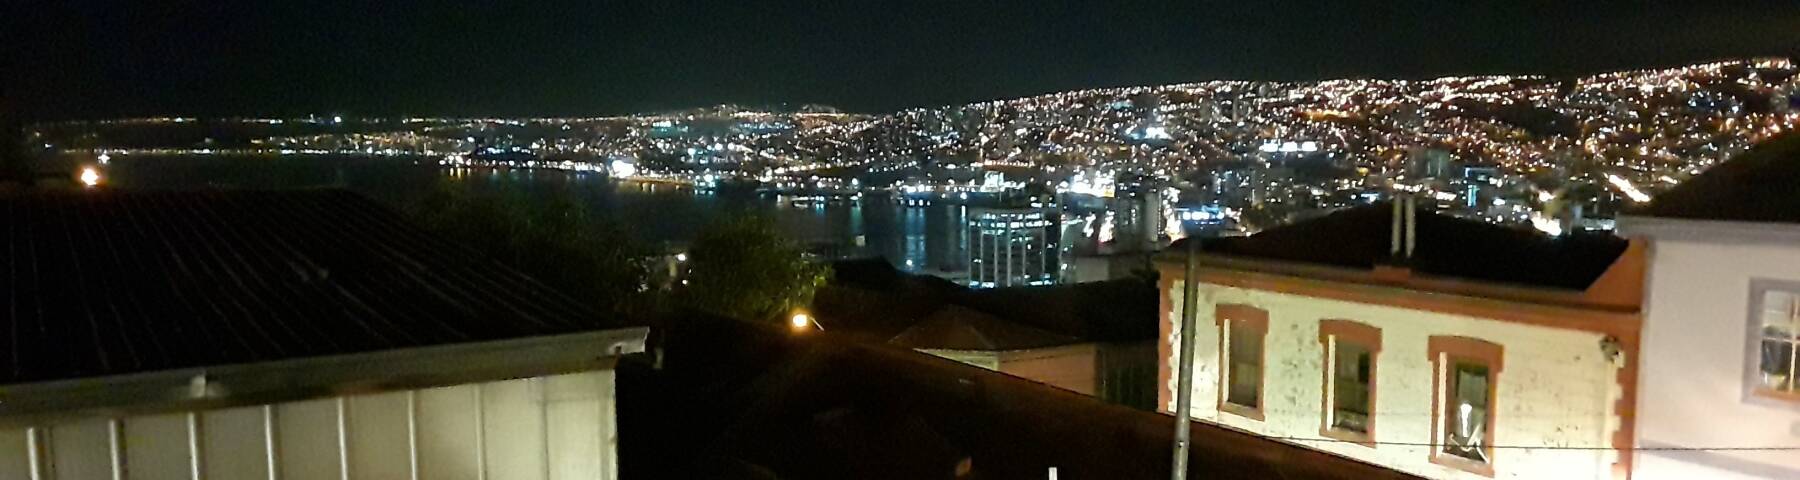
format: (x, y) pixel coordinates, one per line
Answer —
(102, 283)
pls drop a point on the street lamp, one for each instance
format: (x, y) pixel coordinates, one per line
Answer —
(800, 321)
(90, 176)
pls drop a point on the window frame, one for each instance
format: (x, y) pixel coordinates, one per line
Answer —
(1753, 391)
(1228, 316)
(1445, 351)
(1333, 332)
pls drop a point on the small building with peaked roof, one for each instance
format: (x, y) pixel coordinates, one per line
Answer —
(1116, 372)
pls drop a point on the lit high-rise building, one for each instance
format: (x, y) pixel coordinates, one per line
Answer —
(1011, 247)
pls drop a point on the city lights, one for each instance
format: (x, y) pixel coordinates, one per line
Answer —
(622, 168)
(1445, 139)
(1625, 186)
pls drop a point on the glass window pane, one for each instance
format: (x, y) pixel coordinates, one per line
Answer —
(1779, 313)
(1777, 365)
(1777, 332)
(1246, 366)
(1466, 411)
(1350, 383)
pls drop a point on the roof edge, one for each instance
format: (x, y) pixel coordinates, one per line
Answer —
(1678, 228)
(204, 388)
(1413, 281)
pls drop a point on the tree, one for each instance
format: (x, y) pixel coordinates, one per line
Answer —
(742, 267)
(552, 239)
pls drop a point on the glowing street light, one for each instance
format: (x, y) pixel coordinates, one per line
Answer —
(90, 176)
(800, 321)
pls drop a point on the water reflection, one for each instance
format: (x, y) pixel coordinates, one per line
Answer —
(921, 236)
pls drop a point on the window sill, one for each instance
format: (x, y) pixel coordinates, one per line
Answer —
(1484, 469)
(1776, 394)
(1364, 439)
(1242, 411)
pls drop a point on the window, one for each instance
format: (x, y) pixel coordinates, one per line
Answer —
(1778, 344)
(1350, 376)
(1464, 394)
(1246, 367)
(1349, 390)
(1467, 411)
(1242, 358)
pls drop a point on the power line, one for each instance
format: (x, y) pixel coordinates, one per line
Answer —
(1547, 447)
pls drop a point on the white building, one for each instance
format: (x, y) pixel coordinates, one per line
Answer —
(1495, 354)
(296, 335)
(537, 408)
(1722, 322)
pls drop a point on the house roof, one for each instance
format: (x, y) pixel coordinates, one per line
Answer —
(871, 299)
(1445, 246)
(1755, 186)
(106, 283)
(958, 328)
(821, 406)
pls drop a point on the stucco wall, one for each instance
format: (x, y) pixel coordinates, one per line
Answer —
(1556, 389)
(1693, 385)
(545, 428)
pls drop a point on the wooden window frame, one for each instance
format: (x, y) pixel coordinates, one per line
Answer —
(1257, 320)
(1755, 392)
(1357, 333)
(1444, 351)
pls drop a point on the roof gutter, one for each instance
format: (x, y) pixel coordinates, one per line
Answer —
(262, 383)
(1421, 284)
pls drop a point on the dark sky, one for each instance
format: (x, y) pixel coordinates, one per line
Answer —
(76, 59)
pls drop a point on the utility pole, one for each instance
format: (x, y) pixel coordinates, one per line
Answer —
(1184, 395)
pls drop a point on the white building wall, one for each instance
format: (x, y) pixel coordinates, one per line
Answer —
(1556, 389)
(1693, 383)
(558, 427)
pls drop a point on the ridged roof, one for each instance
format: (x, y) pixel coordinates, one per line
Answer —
(102, 283)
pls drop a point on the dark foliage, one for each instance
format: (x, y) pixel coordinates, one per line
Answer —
(551, 239)
(743, 268)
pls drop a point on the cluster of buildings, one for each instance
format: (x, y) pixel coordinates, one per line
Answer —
(1386, 304)
(315, 334)
(1450, 348)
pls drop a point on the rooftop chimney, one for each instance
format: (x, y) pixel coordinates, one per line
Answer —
(1403, 235)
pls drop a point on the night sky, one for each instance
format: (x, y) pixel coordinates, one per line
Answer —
(76, 59)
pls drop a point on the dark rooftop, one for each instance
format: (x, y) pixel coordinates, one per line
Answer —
(1446, 246)
(733, 400)
(955, 327)
(103, 283)
(871, 299)
(1755, 186)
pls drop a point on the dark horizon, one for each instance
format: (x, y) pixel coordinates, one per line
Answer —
(123, 59)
